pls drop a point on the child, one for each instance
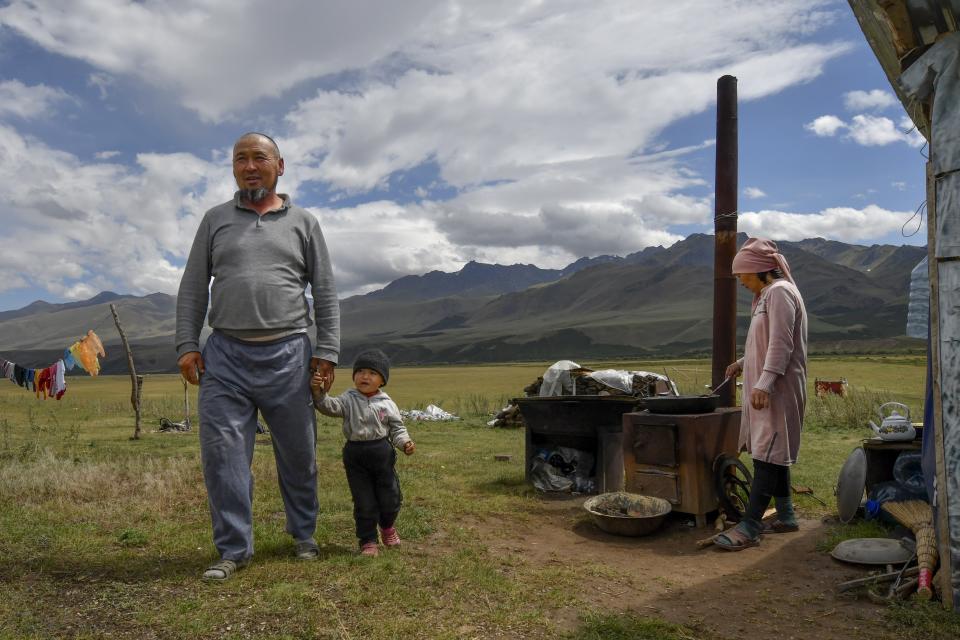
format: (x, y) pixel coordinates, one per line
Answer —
(371, 424)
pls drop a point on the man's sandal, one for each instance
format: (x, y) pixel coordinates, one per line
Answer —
(220, 571)
(307, 550)
(779, 526)
(734, 540)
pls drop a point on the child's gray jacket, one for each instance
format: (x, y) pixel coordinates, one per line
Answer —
(365, 418)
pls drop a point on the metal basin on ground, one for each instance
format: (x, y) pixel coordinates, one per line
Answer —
(627, 514)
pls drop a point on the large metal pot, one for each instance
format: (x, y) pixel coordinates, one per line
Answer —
(681, 404)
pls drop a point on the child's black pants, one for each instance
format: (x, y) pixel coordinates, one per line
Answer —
(374, 485)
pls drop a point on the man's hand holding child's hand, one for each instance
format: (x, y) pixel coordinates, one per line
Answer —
(409, 447)
(318, 382)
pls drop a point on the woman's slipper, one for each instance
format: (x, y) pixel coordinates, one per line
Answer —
(779, 526)
(734, 540)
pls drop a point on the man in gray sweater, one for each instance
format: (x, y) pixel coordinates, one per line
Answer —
(262, 252)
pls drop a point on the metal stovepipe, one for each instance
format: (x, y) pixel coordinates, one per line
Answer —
(725, 239)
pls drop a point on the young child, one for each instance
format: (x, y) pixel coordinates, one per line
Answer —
(371, 424)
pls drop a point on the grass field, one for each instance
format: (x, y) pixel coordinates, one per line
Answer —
(101, 536)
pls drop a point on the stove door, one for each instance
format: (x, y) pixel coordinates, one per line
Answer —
(657, 483)
(656, 444)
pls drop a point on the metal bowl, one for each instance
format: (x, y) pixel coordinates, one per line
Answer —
(627, 514)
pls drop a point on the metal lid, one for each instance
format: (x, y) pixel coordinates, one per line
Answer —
(850, 484)
(872, 551)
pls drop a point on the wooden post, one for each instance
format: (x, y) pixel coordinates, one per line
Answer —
(135, 380)
(186, 402)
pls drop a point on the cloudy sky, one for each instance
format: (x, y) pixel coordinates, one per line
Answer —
(427, 133)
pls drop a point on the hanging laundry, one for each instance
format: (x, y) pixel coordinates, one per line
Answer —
(68, 361)
(59, 385)
(90, 347)
(50, 382)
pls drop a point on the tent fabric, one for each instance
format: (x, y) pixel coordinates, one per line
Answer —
(937, 73)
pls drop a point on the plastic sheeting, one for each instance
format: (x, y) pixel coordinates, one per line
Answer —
(623, 380)
(431, 413)
(557, 380)
(918, 306)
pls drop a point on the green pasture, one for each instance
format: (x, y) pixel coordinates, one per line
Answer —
(102, 536)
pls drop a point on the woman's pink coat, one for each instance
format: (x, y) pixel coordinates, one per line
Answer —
(775, 360)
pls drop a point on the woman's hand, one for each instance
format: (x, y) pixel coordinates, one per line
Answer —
(733, 370)
(759, 399)
(409, 447)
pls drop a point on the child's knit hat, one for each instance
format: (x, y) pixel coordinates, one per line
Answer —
(373, 359)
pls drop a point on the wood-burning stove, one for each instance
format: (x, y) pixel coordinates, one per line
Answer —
(671, 456)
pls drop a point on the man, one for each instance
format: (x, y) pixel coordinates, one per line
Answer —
(262, 252)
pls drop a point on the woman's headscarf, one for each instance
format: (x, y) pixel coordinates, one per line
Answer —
(758, 255)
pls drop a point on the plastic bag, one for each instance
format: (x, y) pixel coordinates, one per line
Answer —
(557, 380)
(546, 477)
(563, 469)
(908, 471)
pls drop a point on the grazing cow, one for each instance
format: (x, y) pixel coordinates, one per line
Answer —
(824, 387)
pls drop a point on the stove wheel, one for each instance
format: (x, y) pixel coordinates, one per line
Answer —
(732, 480)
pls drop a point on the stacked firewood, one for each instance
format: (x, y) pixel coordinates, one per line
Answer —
(509, 416)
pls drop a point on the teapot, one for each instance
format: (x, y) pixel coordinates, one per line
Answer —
(894, 426)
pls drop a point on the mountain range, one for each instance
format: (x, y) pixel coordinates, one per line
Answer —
(654, 303)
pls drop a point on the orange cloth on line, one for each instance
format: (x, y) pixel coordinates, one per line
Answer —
(88, 350)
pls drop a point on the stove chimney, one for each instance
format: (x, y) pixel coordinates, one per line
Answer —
(725, 239)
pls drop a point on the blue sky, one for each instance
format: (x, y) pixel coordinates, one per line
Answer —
(428, 133)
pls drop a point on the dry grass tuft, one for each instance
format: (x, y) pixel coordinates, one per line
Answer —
(154, 483)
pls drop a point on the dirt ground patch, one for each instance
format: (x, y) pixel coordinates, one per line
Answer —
(782, 589)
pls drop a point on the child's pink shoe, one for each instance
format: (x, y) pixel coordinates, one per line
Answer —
(369, 549)
(390, 537)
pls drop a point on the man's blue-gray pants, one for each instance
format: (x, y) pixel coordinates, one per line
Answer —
(239, 379)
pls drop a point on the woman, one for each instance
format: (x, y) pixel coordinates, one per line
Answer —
(774, 367)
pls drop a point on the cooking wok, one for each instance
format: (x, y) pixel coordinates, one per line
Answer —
(681, 404)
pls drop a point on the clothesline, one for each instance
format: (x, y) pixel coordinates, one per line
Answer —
(50, 381)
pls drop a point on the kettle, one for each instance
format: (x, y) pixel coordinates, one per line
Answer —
(894, 426)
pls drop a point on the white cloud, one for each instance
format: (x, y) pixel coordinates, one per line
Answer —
(876, 99)
(899, 186)
(867, 130)
(29, 102)
(873, 131)
(825, 126)
(99, 226)
(102, 81)
(753, 193)
(106, 155)
(846, 224)
(221, 55)
(533, 47)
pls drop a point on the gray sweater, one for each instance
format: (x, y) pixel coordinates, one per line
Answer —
(261, 266)
(364, 418)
